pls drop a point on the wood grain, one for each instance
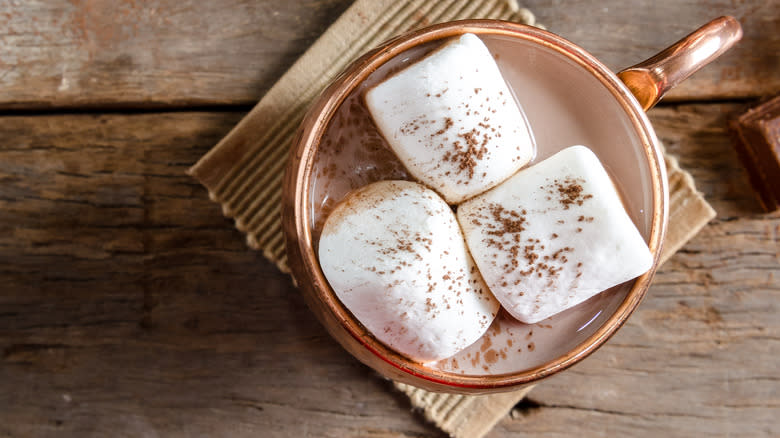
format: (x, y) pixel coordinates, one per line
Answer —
(629, 32)
(128, 53)
(163, 53)
(130, 307)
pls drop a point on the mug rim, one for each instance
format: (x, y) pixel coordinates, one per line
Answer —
(297, 221)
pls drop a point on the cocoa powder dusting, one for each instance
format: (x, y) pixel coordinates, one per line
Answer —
(570, 192)
(510, 221)
(447, 125)
(464, 154)
(466, 157)
(506, 226)
(503, 230)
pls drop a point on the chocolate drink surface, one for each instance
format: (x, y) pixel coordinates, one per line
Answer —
(564, 107)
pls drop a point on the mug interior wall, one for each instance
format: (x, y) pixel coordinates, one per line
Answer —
(566, 106)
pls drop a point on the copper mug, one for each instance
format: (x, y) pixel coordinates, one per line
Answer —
(570, 98)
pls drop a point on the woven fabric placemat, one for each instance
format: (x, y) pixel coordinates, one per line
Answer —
(244, 171)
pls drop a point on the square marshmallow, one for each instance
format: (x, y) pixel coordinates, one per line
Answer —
(394, 255)
(553, 235)
(452, 120)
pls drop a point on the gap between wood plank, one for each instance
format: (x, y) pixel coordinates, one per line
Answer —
(131, 108)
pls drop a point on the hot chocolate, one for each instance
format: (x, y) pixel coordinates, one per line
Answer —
(352, 153)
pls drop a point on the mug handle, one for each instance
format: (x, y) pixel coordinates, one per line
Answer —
(651, 79)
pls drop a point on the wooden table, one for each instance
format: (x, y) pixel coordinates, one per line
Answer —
(130, 307)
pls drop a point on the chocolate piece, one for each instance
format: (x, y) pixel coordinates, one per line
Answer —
(757, 138)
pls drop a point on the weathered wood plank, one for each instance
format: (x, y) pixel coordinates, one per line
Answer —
(80, 53)
(129, 306)
(629, 32)
(103, 53)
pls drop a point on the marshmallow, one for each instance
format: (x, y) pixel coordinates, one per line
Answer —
(452, 120)
(553, 235)
(394, 255)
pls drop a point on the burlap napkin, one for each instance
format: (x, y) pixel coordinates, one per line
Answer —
(244, 171)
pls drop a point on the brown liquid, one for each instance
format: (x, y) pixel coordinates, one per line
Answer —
(565, 106)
